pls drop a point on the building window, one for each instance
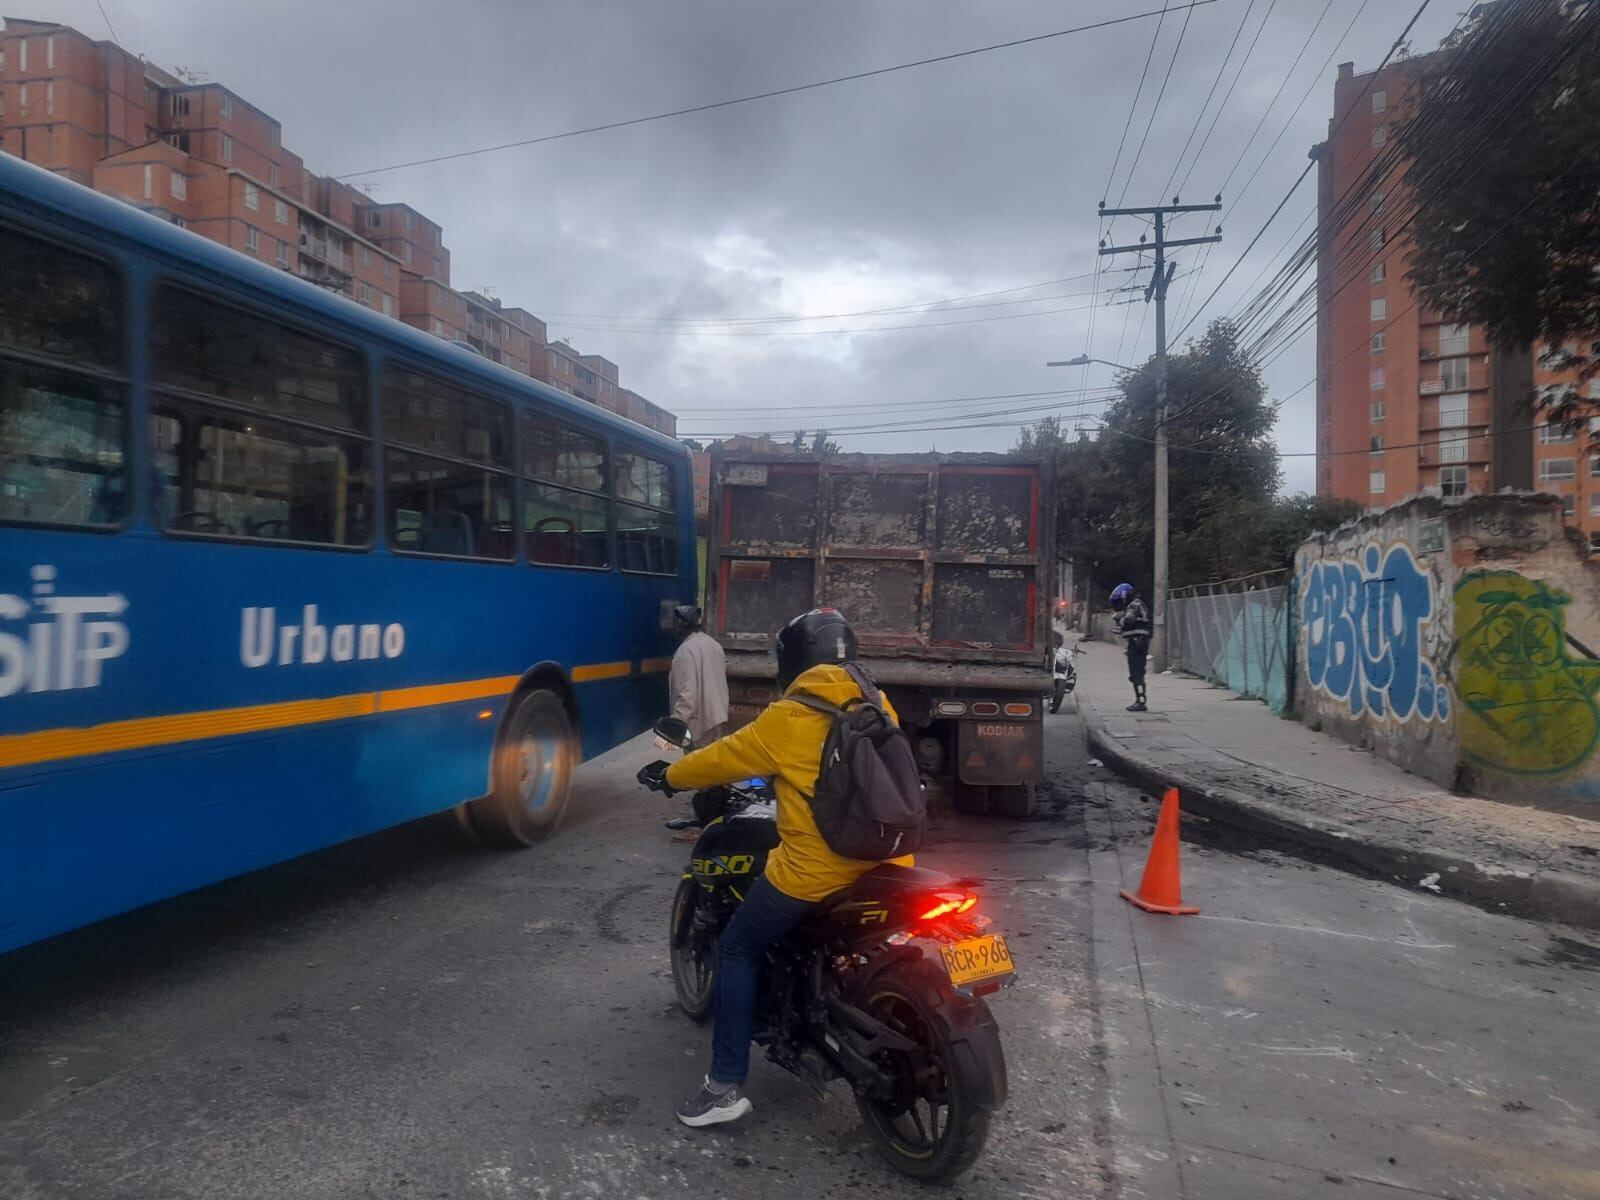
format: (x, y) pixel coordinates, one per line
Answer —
(149, 182)
(366, 255)
(1453, 446)
(227, 149)
(1377, 379)
(272, 174)
(1380, 136)
(366, 294)
(1594, 505)
(283, 253)
(1454, 339)
(1377, 272)
(1453, 371)
(1558, 469)
(408, 219)
(388, 305)
(252, 239)
(1380, 342)
(180, 186)
(227, 107)
(1379, 411)
(1553, 432)
(1376, 446)
(1380, 309)
(252, 197)
(50, 99)
(388, 267)
(1453, 409)
(280, 212)
(1569, 506)
(22, 54)
(1375, 482)
(1594, 466)
(22, 99)
(1453, 481)
(50, 53)
(447, 469)
(1377, 203)
(374, 219)
(405, 252)
(438, 327)
(1380, 101)
(1375, 240)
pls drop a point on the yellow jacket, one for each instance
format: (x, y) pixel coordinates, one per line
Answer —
(785, 744)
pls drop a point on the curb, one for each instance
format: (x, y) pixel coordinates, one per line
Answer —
(1543, 895)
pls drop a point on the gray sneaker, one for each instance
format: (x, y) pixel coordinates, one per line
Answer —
(707, 1107)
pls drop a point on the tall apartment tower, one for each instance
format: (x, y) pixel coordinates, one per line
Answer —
(1409, 400)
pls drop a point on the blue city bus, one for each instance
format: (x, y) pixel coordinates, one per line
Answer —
(277, 571)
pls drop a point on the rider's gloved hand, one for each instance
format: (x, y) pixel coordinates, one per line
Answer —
(654, 776)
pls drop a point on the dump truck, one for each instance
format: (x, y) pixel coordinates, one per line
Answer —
(942, 563)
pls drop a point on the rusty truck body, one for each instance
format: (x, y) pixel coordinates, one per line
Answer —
(942, 564)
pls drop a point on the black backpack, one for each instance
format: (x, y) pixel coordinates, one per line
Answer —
(869, 803)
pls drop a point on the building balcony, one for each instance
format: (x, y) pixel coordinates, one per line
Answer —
(1473, 450)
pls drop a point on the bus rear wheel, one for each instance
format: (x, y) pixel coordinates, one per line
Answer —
(531, 774)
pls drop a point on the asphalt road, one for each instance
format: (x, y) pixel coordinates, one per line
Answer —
(408, 1017)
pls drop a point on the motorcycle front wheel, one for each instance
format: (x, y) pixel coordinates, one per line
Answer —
(930, 1127)
(694, 958)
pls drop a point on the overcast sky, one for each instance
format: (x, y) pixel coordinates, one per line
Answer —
(950, 180)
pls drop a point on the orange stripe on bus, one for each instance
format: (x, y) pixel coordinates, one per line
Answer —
(612, 670)
(142, 733)
(650, 666)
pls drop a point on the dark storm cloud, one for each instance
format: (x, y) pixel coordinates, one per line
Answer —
(953, 179)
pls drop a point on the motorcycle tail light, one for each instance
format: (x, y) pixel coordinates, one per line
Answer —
(944, 904)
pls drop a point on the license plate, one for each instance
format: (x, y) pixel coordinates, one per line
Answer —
(977, 959)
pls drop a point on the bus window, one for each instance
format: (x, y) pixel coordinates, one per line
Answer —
(564, 520)
(63, 428)
(447, 469)
(257, 430)
(647, 528)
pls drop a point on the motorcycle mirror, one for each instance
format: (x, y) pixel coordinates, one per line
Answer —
(673, 731)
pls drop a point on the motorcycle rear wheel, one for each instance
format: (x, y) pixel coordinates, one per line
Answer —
(931, 1128)
(694, 965)
(1055, 696)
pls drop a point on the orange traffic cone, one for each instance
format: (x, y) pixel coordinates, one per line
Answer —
(1160, 890)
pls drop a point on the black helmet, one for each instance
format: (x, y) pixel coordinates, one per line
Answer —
(685, 619)
(819, 636)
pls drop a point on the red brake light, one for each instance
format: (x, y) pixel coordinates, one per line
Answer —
(944, 903)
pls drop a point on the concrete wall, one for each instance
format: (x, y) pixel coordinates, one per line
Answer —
(1455, 639)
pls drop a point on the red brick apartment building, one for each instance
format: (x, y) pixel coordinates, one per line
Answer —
(1409, 401)
(203, 157)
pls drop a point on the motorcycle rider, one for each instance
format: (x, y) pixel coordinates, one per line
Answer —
(1133, 623)
(698, 680)
(785, 744)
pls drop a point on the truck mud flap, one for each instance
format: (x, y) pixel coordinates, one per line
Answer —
(997, 753)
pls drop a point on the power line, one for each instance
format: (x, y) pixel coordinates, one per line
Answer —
(775, 333)
(776, 92)
(107, 20)
(846, 407)
(1393, 50)
(1222, 69)
(1156, 107)
(1228, 95)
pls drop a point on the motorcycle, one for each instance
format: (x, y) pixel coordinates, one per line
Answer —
(1064, 675)
(882, 986)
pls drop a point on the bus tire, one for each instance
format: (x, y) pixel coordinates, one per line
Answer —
(531, 773)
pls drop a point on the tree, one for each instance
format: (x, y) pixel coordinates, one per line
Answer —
(1223, 475)
(1505, 180)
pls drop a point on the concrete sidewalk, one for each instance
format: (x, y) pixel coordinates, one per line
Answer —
(1237, 763)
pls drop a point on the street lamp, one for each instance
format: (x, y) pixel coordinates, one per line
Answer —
(1158, 643)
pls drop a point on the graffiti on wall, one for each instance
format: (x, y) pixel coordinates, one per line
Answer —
(1368, 634)
(1527, 704)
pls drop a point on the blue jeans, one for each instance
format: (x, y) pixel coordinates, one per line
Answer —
(764, 917)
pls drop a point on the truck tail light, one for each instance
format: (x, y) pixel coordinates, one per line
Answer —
(951, 708)
(985, 708)
(1018, 710)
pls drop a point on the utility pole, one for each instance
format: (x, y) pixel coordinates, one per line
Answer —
(1158, 289)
